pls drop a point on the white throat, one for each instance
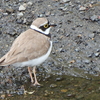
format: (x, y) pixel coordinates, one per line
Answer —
(36, 28)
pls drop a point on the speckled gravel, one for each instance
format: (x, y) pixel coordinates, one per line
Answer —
(76, 39)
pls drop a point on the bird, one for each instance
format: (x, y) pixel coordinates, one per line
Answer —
(31, 48)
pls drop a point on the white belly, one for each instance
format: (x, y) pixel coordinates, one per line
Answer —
(36, 61)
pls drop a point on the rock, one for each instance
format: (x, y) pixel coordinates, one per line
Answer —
(65, 1)
(58, 79)
(94, 18)
(23, 7)
(30, 3)
(77, 49)
(82, 8)
(41, 15)
(24, 21)
(19, 21)
(5, 14)
(3, 96)
(9, 10)
(98, 50)
(90, 55)
(97, 54)
(98, 22)
(48, 13)
(91, 35)
(64, 90)
(53, 85)
(19, 15)
(63, 8)
(86, 61)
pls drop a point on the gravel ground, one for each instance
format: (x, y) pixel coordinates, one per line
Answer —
(76, 39)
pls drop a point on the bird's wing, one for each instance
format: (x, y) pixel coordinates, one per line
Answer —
(29, 45)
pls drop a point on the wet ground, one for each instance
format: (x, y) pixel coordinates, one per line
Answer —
(58, 88)
(72, 72)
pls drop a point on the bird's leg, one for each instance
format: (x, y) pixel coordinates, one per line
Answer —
(34, 72)
(30, 73)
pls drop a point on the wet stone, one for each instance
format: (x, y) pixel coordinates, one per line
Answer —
(80, 97)
(3, 96)
(71, 95)
(59, 79)
(53, 85)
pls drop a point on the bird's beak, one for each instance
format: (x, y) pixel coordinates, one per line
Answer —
(53, 25)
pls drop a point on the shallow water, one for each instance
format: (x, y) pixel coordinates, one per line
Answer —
(57, 87)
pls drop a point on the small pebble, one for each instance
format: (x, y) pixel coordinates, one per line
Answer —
(97, 54)
(77, 49)
(30, 3)
(64, 90)
(3, 96)
(94, 18)
(82, 8)
(59, 79)
(86, 61)
(5, 14)
(48, 13)
(65, 1)
(19, 21)
(71, 95)
(90, 55)
(53, 85)
(9, 10)
(98, 50)
(41, 15)
(22, 7)
(19, 15)
(91, 35)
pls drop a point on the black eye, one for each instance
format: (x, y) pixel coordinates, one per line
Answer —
(46, 25)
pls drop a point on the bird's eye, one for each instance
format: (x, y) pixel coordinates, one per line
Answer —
(46, 25)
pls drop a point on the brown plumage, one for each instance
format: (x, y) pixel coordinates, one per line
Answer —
(31, 47)
(26, 47)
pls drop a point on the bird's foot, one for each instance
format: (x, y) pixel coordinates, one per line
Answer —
(36, 83)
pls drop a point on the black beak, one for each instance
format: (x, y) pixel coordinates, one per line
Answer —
(53, 25)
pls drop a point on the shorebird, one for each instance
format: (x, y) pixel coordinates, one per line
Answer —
(30, 48)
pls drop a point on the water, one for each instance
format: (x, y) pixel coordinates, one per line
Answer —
(57, 87)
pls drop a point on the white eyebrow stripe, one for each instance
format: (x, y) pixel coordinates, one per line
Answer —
(36, 28)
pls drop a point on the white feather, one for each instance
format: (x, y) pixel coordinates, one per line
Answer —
(36, 28)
